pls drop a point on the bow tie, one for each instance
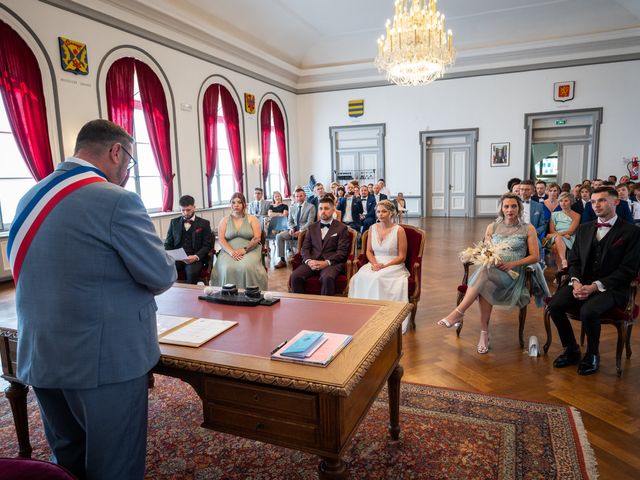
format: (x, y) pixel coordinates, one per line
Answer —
(526, 201)
(603, 225)
(325, 225)
(190, 221)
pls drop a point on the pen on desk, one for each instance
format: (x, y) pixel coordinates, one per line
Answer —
(279, 347)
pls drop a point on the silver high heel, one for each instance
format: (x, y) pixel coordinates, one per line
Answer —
(482, 348)
(445, 323)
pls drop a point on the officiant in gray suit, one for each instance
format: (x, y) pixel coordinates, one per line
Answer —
(86, 309)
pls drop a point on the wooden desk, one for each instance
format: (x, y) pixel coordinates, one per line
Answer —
(244, 393)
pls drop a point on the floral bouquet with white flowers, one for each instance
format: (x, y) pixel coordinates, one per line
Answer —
(487, 254)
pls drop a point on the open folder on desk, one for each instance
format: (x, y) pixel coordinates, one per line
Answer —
(319, 348)
(190, 331)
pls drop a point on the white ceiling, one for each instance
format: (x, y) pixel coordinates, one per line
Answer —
(333, 42)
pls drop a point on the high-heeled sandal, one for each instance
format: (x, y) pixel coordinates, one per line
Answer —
(484, 348)
(446, 324)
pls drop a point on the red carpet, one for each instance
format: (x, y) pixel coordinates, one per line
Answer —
(446, 434)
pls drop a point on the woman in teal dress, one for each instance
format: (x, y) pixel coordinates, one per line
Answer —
(240, 260)
(493, 286)
(563, 225)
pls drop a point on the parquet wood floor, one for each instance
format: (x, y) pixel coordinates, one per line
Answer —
(433, 355)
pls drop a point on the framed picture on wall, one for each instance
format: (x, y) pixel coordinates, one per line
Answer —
(500, 154)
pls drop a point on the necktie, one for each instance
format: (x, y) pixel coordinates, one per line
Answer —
(604, 224)
(298, 215)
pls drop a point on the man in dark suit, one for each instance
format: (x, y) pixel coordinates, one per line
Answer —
(377, 193)
(368, 202)
(318, 193)
(351, 208)
(541, 192)
(194, 235)
(584, 199)
(604, 259)
(622, 211)
(324, 251)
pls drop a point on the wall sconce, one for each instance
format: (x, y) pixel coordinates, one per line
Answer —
(255, 161)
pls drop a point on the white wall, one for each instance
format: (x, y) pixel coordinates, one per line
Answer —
(495, 104)
(185, 74)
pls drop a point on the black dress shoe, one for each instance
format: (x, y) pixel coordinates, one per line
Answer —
(569, 356)
(589, 364)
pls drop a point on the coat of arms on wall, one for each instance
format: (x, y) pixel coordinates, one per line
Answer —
(73, 56)
(563, 91)
(249, 103)
(356, 108)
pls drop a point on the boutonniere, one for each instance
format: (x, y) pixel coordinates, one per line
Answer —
(618, 243)
(199, 230)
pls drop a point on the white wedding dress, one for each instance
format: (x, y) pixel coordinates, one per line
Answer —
(391, 282)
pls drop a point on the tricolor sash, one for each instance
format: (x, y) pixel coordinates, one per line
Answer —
(25, 227)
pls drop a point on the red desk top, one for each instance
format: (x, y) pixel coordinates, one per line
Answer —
(261, 329)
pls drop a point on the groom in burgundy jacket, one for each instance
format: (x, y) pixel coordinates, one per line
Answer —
(324, 251)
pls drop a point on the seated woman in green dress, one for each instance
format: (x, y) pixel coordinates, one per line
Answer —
(562, 225)
(240, 260)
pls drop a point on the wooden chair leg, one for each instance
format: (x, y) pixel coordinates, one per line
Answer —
(522, 317)
(412, 323)
(582, 334)
(547, 328)
(628, 343)
(622, 333)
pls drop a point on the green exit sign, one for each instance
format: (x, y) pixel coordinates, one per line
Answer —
(561, 121)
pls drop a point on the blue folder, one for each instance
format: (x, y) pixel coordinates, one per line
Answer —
(303, 345)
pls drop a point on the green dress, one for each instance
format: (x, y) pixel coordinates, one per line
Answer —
(562, 221)
(496, 286)
(247, 271)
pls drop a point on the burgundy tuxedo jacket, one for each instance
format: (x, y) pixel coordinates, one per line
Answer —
(335, 246)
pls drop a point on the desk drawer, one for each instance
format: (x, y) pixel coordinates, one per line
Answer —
(277, 402)
(255, 425)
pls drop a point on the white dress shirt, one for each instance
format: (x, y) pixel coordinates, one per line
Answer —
(526, 211)
(347, 210)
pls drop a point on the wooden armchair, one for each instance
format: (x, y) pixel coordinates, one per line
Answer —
(622, 318)
(207, 264)
(312, 284)
(415, 247)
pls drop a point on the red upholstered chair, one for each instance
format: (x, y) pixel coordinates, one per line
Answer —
(28, 469)
(621, 318)
(312, 285)
(415, 247)
(205, 272)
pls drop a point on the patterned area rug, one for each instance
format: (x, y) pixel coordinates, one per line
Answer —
(446, 434)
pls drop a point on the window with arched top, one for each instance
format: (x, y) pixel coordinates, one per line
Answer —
(24, 134)
(275, 170)
(222, 146)
(136, 101)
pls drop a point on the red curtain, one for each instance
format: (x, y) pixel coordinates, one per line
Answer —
(156, 115)
(278, 126)
(265, 126)
(119, 90)
(23, 95)
(232, 122)
(210, 120)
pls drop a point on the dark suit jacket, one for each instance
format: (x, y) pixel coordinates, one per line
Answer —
(620, 259)
(356, 210)
(622, 211)
(201, 237)
(541, 199)
(578, 206)
(370, 213)
(335, 246)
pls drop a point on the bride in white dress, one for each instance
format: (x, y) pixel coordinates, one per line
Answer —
(385, 277)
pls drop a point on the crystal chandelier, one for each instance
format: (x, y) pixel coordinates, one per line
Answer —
(415, 50)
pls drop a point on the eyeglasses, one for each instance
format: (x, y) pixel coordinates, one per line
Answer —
(132, 161)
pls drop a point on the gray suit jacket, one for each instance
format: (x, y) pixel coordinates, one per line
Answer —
(307, 216)
(259, 208)
(85, 299)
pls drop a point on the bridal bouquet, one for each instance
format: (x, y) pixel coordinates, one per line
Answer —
(487, 254)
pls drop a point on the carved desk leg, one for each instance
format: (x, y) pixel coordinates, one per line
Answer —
(17, 395)
(332, 469)
(394, 401)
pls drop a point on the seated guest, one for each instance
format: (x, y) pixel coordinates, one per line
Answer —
(350, 208)
(301, 215)
(582, 199)
(385, 277)
(625, 179)
(551, 203)
(240, 260)
(383, 187)
(596, 183)
(368, 216)
(324, 251)
(532, 212)
(493, 286)
(370, 188)
(513, 181)
(377, 194)
(622, 210)
(340, 192)
(541, 192)
(318, 193)
(334, 188)
(194, 235)
(337, 215)
(596, 285)
(260, 205)
(565, 187)
(623, 195)
(401, 206)
(515, 188)
(277, 208)
(635, 196)
(562, 226)
(575, 192)
(613, 179)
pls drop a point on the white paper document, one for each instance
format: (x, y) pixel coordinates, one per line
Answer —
(168, 322)
(178, 254)
(196, 332)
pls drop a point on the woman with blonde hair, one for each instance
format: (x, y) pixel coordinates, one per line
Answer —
(562, 226)
(385, 276)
